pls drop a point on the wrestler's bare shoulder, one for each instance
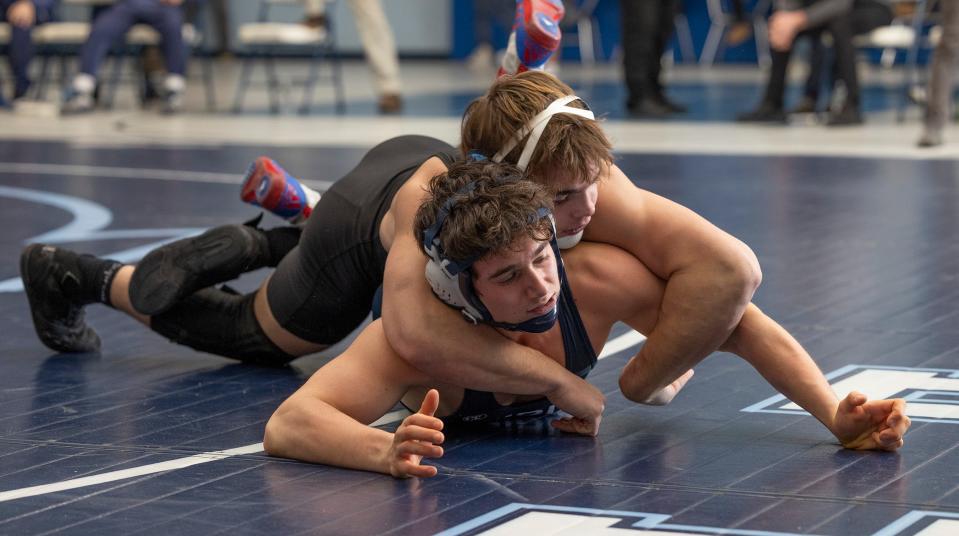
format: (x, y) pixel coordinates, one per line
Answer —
(407, 200)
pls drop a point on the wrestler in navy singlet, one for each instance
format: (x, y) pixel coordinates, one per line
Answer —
(481, 406)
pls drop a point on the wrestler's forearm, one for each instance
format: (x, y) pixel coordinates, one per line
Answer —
(311, 430)
(699, 311)
(438, 340)
(784, 363)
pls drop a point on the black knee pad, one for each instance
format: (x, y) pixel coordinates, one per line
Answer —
(222, 323)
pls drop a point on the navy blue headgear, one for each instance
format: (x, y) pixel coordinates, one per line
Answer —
(477, 156)
(452, 282)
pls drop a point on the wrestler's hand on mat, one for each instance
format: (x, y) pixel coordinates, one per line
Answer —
(861, 424)
(575, 425)
(417, 437)
(580, 399)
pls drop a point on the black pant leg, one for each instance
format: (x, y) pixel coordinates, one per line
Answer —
(640, 21)
(664, 32)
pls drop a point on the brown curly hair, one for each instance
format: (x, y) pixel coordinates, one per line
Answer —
(569, 142)
(488, 218)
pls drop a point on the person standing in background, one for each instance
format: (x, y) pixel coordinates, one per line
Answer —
(647, 28)
(943, 72)
(378, 44)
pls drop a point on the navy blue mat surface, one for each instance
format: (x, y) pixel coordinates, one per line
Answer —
(860, 263)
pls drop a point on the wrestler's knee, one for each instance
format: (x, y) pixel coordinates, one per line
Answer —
(220, 323)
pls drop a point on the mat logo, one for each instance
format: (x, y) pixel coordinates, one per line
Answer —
(524, 519)
(932, 394)
(541, 519)
(923, 523)
(89, 224)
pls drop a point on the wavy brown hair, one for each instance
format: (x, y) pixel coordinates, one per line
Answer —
(569, 142)
(490, 217)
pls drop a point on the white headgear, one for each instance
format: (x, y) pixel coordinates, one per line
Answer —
(536, 126)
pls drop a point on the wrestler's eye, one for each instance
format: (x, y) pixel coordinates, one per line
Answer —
(541, 259)
(507, 278)
(560, 199)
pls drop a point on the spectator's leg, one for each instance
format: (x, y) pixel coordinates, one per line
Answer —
(944, 62)
(20, 51)
(108, 27)
(640, 20)
(168, 21)
(770, 109)
(380, 48)
(817, 69)
(864, 17)
(776, 85)
(221, 19)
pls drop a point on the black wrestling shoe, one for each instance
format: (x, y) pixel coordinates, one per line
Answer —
(51, 285)
(174, 271)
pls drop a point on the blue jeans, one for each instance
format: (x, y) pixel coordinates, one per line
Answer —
(114, 22)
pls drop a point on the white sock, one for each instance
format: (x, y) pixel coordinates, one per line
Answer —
(84, 83)
(174, 83)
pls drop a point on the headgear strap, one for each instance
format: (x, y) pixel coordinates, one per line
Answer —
(537, 125)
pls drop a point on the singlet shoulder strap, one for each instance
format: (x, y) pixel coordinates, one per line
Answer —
(448, 157)
(580, 355)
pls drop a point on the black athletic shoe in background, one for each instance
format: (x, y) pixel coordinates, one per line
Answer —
(766, 113)
(52, 281)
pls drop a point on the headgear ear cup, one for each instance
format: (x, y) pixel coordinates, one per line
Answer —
(448, 288)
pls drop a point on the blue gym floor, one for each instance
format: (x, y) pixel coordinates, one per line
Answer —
(860, 262)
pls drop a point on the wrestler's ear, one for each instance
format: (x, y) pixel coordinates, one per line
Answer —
(430, 402)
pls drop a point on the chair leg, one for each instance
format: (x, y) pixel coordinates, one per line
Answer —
(685, 38)
(310, 86)
(111, 92)
(209, 84)
(711, 46)
(242, 84)
(584, 28)
(760, 34)
(41, 87)
(273, 84)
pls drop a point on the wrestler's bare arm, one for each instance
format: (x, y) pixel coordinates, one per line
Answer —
(325, 421)
(856, 422)
(435, 338)
(610, 282)
(710, 278)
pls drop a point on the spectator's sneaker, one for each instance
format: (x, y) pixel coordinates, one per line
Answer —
(51, 280)
(930, 138)
(314, 21)
(845, 117)
(806, 106)
(174, 271)
(766, 113)
(20, 90)
(648, 109)
(671, 105)
(78, 103)
(172, 102)
(269, 186)
(390, 103)
(535, 37)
